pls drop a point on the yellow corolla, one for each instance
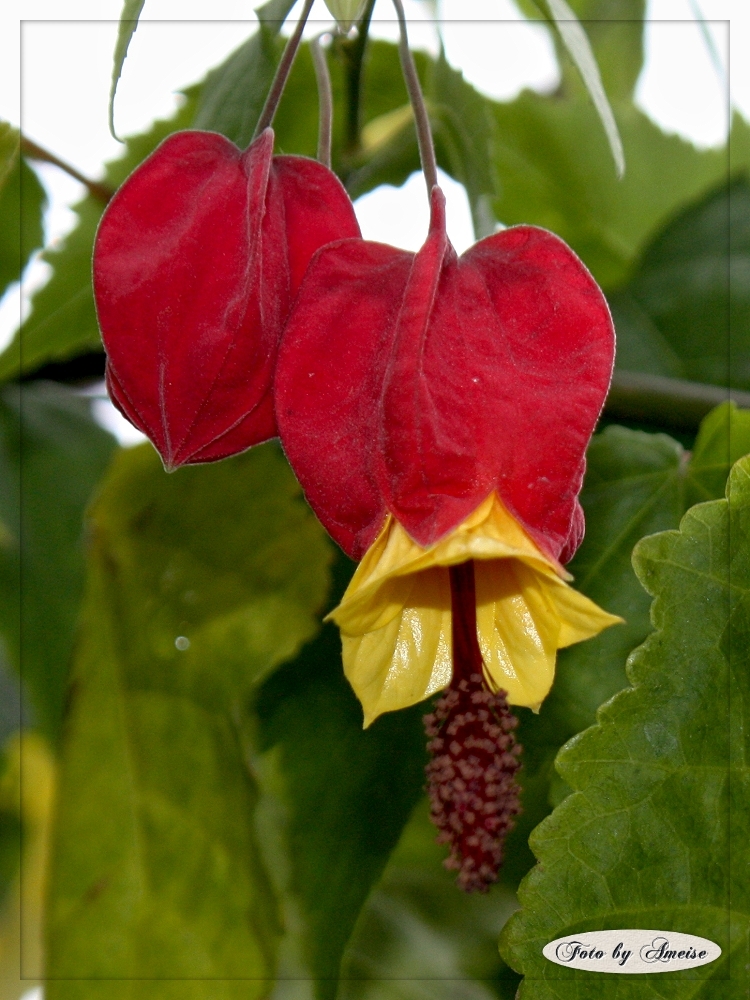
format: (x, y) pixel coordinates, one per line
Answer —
(395, 617)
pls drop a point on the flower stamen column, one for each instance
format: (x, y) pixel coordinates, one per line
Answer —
(473, 793)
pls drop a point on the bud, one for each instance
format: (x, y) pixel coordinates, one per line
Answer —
(346, 12)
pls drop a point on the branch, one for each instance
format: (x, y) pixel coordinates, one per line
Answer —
(667, 402)
(34, 152)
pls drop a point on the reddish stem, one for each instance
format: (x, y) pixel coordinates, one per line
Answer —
(467, 657)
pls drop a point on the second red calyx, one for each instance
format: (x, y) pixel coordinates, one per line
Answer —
(196, 264)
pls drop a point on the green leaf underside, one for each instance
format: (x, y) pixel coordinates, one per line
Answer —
(52, 455)
(62, 322)
(22, 201)
(131, 12)
(615, 32)
(348, 791)
(661, 782)
(172, 887)
(686, 311)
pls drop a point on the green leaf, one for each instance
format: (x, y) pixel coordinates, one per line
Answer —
(724, 437)
(633, 487)
(388, 153)
(227, 556)
(296, 121)
(579, 49)
(383, 90)
(462, 122)
(52, 456)
(686, 311)
(739, 147)
(636, 484)
(615, 31)
(9, 147)
(63, 322)
(348, 791)
(233, 95)
(155, 872)
(22, 203)
(661, 782)
(131, 11)
(545, 180)
(11, 717)
(199, 584)
(417, 929)
(464, 130)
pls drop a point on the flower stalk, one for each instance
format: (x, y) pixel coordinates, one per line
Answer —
(416, 98)
(282, 73)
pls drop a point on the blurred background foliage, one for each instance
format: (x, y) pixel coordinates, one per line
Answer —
(201, 814)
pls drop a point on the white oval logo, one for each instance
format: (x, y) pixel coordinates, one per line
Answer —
(631, 951)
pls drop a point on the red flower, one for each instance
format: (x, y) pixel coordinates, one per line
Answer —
(197, 261)
(437, 410)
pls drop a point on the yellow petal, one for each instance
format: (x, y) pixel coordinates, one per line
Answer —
(408, 659)
(523, 618)
(376, 593)
(395, 617)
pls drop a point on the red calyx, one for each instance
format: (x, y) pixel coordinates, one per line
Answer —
(419, 383)
(197, 260)
(474, 796)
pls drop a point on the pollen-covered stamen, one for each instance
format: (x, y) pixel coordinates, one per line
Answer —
(473, 793)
